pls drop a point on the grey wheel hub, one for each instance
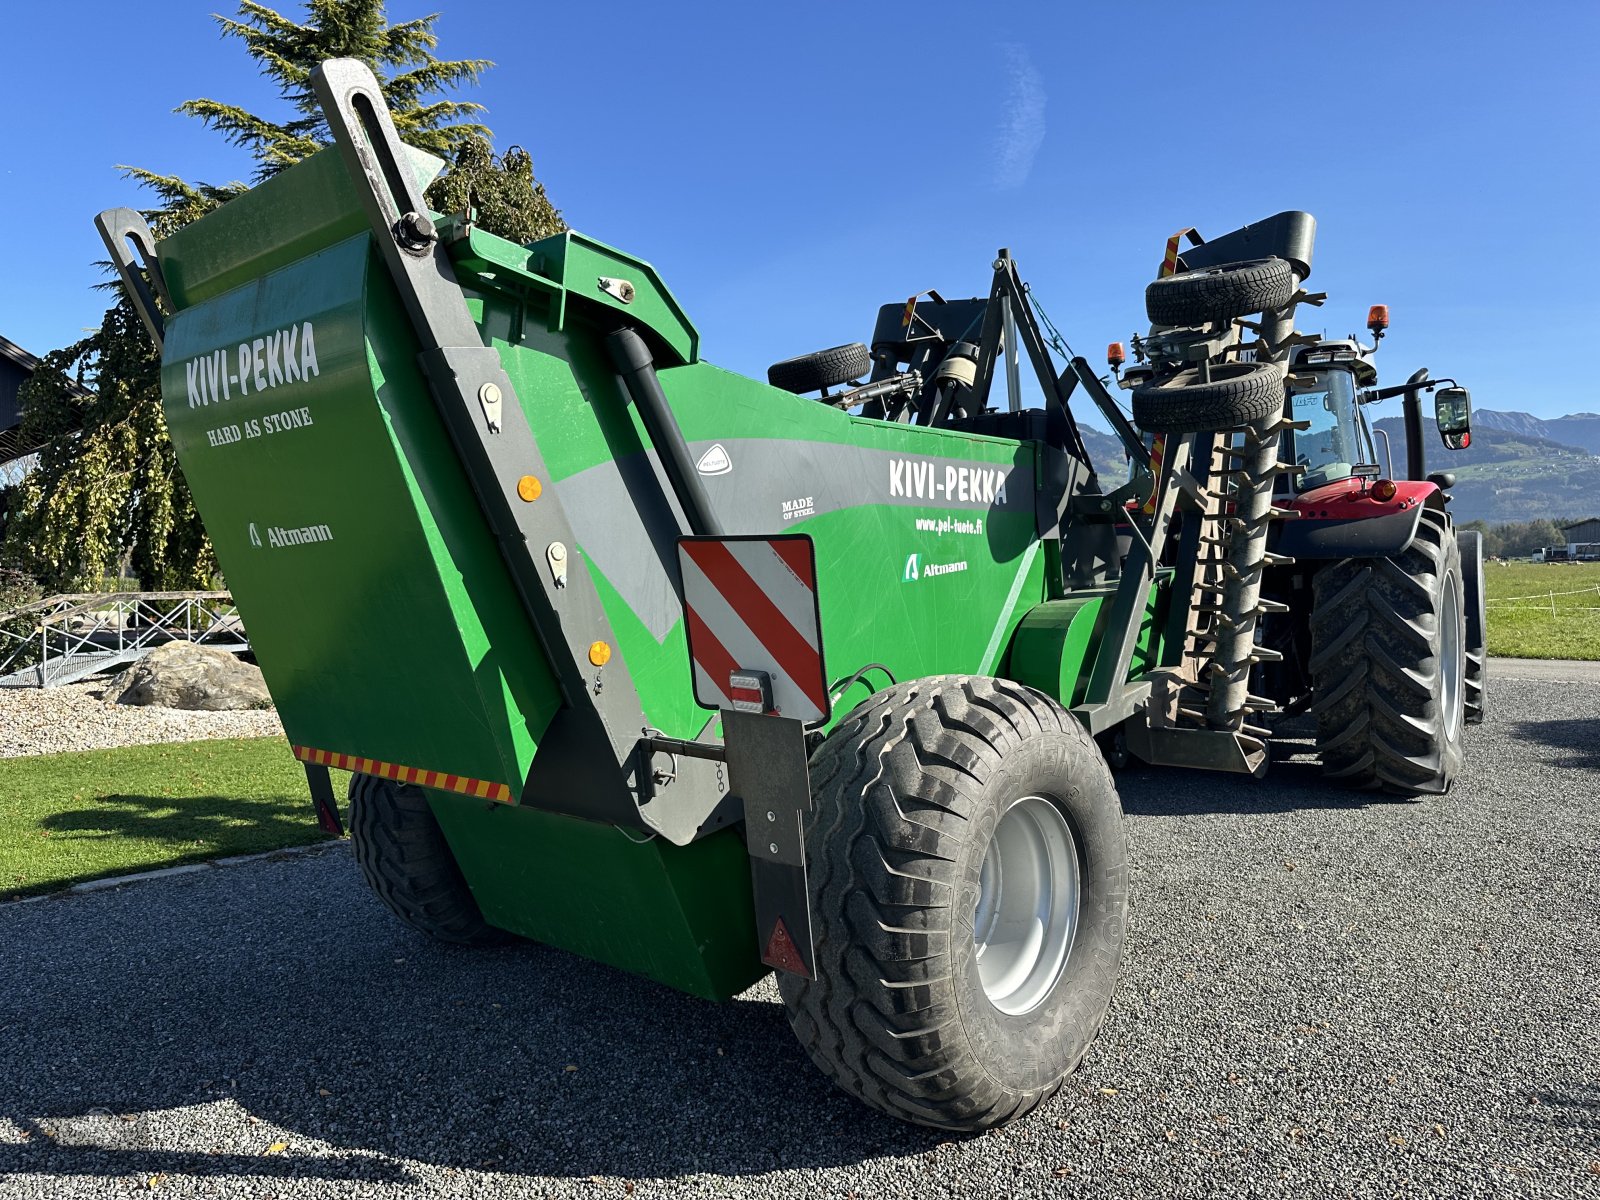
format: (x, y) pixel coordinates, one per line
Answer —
(1452, 663)
(1029, 897)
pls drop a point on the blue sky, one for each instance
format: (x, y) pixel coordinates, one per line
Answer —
(789, 168)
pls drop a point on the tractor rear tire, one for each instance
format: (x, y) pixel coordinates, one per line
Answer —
(1237, 394)
(1220, 293)
(1388, 665)
(823, 369)
(408, 865)
(921, 796)
(1477, 677)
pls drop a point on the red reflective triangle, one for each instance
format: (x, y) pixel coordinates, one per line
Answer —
(781, 952)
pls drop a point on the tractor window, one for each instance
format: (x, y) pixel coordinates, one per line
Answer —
(1336, 441)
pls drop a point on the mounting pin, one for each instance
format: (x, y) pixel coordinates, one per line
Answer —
(489, 398)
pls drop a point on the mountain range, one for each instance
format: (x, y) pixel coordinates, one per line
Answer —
(1581, 430)
(1519, 467)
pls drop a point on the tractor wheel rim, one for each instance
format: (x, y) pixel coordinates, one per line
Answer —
(1029, 896)
(1452, 662)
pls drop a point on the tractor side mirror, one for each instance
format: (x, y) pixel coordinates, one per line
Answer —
(1452, 409)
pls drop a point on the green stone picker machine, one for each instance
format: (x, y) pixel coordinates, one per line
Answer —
(702, 677)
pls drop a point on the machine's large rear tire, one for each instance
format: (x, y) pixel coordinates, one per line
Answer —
(1388, 665)
(952, 816)
(409, 866)
(1477, 677)
(1220, 293)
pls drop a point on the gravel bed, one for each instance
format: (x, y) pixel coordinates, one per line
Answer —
(1324, 995)
(79, 717)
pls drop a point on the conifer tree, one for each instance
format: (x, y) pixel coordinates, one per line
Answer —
(108, 494)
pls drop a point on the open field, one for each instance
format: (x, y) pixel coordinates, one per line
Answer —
(1543, 610)
(65, 818)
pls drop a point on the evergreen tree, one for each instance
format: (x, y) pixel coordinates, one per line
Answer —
(108, 489)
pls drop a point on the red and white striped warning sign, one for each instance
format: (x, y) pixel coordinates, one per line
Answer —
(755, 636)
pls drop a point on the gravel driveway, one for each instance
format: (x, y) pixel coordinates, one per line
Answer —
(1323, 995)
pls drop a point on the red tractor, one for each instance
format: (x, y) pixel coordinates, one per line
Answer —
(1324, 580)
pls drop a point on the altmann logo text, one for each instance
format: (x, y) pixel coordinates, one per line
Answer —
(923, 479)
(286, 356)
(915, 571)
(279, 537)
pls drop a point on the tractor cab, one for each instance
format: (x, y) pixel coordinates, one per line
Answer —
(1325, 381)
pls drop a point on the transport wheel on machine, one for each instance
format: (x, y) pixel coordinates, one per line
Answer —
(969, 889)
(1236, 394)
(1388, 665)
(1477, 677)
(408, 864)
(824, 368)
(1220, 293)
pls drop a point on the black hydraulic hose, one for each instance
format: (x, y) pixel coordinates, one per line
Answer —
(638, 370)
(1411, 406)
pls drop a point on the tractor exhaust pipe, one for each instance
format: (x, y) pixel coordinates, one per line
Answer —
(1411, 409)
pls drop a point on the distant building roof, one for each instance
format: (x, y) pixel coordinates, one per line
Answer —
(1579, 524)
(18, 355)
(16, 367)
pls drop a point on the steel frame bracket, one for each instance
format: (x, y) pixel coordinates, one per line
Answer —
(1208, 749)
(1010, 310)
(603, 724)
(769, 773)
(1109, 697)
(323, 802)
(118, 227)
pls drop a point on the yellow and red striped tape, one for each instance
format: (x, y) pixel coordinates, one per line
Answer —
(1158, 451)
(481, 789)
(1169, 264)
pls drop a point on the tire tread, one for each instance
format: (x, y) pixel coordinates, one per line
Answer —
(879, 1018)
(408, 864)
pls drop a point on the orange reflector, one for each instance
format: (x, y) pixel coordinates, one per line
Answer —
(529, 488)
(1378, 317)
(1384, 490)
(1116, 355)
(599, 653)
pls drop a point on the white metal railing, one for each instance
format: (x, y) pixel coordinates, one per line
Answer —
(64, 638)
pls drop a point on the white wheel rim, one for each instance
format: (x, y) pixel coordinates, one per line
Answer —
(1029, 896)
(1452, 662)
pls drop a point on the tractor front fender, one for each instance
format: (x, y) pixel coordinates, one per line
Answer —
(1343, 520)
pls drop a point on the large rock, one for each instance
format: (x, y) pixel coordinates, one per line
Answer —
(183, 675)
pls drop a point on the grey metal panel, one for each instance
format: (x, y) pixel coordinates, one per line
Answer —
(602, 722)
(1288, 235)
(627, 521)
(1369, 537)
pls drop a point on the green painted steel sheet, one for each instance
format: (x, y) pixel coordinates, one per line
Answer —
(680, 915)
(375, 598)
(1055, 642)
(387, 624)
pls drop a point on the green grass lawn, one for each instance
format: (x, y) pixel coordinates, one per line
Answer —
(1521, 623)
(65, 818)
